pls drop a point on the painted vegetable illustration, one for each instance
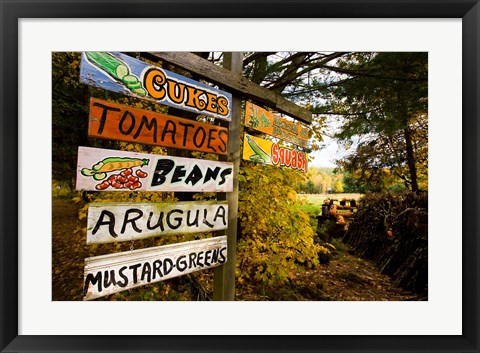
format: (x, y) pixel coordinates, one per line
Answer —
(116, 69)
(99, 171)
(260, 155)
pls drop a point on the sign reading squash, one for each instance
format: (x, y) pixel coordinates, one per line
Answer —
(121, 73)
(268, 152)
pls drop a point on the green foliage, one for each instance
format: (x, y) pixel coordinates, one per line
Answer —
(276, 236)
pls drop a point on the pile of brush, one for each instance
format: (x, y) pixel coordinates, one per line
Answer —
(391, 229)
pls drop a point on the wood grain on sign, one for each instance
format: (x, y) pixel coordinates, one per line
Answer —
(115, 222)
(111, 170)
(121, 73)
(120, 122)
(259, 150)
(266, 121)
(108, 274)
(235, 82)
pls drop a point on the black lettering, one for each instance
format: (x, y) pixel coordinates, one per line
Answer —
(205, 212)
(207, 257)
(172, 132)
(126, 219)
(220, 214)
(132, 123)
(146, 272)
(195, 175)
(211, 174)
(204, 135)
(182, 263)
(178, 219)
(210, 139)
(195, 222)
(178, 174)
(97, 279)
(223, 146)
(149, 125)
(167, 266)
(215, 255)
(200, 259)
(135, 274)
(222, 258)
(110, 222)
(156, 269)
(109, 280)
(164, 166)
(224, 173)
(103, 119)
(191, 259)
(159, 222)
(185, 131)
(124, 277)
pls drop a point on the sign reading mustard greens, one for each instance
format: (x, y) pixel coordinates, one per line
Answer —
(120, 122)
(259, 150)
(272, 124)
(121, 73)
(112, 273)
(111, 170)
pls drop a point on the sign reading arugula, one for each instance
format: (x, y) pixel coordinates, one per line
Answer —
(121, 73)
(265, 121)
(110, 170)
(120, 122)
(108, 274)
(114, 222)
(268, 152)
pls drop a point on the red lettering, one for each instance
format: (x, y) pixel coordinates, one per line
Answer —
(275, 153)
(294, 159)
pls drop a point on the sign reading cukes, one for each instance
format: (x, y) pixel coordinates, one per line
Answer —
(121, 73)
(265, 121)
(258, 150)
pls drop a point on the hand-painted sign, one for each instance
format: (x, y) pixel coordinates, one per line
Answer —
(114, 222)
(265, 121)
(108, 274)
(111, 170)
(267, 152)
(121, 73)
(120, 122)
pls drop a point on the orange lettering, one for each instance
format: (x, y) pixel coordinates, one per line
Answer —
(153, 81)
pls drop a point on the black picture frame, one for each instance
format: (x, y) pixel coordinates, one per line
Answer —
(12, 11)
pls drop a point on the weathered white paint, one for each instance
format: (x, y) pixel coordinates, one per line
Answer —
(163, 173)
(114, 222)
(108, 274)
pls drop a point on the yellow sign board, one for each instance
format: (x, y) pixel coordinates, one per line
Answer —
(265, 121)
(268, 152)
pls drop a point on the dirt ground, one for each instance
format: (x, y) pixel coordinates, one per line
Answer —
(345, 278)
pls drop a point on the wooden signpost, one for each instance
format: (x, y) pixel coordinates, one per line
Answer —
(265, 121)
(258, 150)
(120, 122)
(108, 274)
(111, 170)
(121, 73)
(114, 222)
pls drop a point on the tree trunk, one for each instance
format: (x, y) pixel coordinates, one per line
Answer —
(411, 159)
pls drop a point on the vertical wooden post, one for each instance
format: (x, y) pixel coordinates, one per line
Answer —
(224, 277)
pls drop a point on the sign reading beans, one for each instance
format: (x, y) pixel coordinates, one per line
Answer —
(114, 222)
(121, 73)
(108, 274)
(110, 170)
(119, 122)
